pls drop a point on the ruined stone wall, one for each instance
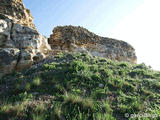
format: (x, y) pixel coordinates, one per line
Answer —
(78, 39)
(20, 43)
(16, 11)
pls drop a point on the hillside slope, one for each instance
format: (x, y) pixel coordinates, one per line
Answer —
(80, 87)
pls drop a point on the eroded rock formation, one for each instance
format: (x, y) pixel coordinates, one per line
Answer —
(16, 11)
(20, 43)
(78, 39)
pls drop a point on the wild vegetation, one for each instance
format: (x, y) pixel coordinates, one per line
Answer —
(81, 87)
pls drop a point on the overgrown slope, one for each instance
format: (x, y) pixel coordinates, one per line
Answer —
(80, 87)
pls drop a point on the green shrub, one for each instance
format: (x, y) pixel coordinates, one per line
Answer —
(75, 106)
(36, 81)
(79, 87)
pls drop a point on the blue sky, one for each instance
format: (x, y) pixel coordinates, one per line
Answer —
(134, 21)
(99, 16)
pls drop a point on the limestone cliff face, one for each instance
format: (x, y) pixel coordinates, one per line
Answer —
(20, 43)
(78, 39)
(16, 11)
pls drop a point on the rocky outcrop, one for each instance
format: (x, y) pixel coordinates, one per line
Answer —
(78, 39)
(20, 46)
(16, 11)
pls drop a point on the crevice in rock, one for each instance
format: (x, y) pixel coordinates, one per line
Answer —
(11, 34)
(3, 39)
(15, 44)
(18, 60)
